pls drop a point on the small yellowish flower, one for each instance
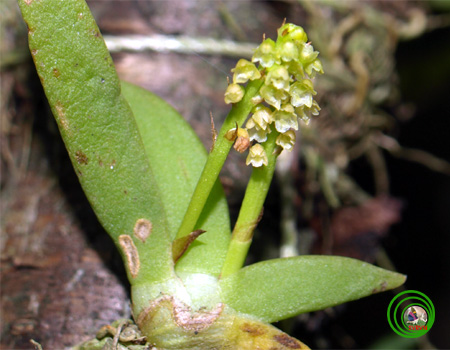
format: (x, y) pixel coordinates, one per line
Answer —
(302, 93)
(285, 120)
(273, 96)
(266, 54)
(305, 113)
(295, 69)
(255, 132)
(307, 54)
(286, 140)
(262, 116)
(287, 107)
(257, 156)
(244, 71)
(314, 67)
(278, 77)
(288, 51)
(234, 93)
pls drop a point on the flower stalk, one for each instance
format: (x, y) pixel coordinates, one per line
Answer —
(251, 209)
(278, 93)
(216, 159)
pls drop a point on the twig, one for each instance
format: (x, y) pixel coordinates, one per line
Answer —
(412, 154)
(180, 44)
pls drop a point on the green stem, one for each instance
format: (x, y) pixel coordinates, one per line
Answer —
(216, 159)
(251, 210)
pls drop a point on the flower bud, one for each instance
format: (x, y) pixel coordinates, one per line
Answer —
(291, 31)
(234, 93)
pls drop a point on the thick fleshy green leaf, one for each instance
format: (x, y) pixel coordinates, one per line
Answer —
(99, 132)
(177, 158)
(276, 289)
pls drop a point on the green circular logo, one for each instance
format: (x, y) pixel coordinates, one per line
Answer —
(411, 314)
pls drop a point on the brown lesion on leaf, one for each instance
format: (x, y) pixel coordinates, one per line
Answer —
(380, 288)
(56, 72)
(131, 254)
(252, 330)
(182, 315)
(142, 229)
(28, 2)
(287, 341)
(96, 33)
(81, 158)
(61, 116)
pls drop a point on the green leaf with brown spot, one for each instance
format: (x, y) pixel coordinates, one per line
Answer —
(276, 289)
(99, 131)
(177, 157)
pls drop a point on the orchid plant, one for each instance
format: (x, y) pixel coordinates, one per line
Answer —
(156, 192)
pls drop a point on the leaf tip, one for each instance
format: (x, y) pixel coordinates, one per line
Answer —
(392, 280)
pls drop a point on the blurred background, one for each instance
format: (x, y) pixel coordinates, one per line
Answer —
(369, 179)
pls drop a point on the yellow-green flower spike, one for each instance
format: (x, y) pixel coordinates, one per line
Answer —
(287, 67)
